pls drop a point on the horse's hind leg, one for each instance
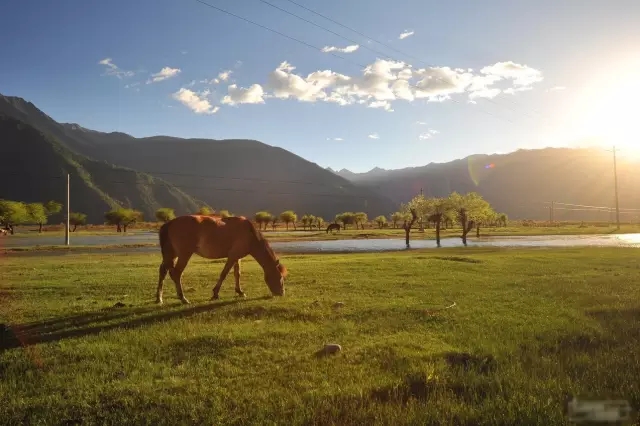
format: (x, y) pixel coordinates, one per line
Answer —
(176, 275)
(164, 268)
(236, 275)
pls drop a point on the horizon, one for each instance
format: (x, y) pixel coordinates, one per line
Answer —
(191, 71)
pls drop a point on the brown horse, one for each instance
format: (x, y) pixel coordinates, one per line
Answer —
(333, 226)
(213, 237)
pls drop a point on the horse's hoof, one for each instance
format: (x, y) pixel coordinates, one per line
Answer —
(241, 294)
(185, 301)
(159, 301)
(215, 297)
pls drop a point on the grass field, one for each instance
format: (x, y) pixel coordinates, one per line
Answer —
(351, 232)
(528, 327)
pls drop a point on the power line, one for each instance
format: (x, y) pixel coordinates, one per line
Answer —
(388, 46)
(331, 53)
(591, 207)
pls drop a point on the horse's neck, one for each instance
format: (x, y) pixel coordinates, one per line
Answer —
(262, 255)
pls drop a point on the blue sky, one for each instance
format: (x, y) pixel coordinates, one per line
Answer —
(565, 56)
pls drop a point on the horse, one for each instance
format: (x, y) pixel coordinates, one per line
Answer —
(333, 226)
(214, 237)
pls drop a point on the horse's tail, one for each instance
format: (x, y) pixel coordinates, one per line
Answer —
(165, 246)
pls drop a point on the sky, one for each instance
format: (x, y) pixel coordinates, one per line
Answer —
(450, 79)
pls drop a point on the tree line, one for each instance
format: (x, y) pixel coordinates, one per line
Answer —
(13, 213)
(469, 211)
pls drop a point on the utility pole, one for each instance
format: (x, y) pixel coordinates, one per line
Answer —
(551, 212)
(615, 176)
(66, 228)
(421, 193)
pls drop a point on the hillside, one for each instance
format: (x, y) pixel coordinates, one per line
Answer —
(519, 183)
(33, 159)
(243, 176)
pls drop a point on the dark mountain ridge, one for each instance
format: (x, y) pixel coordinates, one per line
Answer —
(240, 175)
(38, 164)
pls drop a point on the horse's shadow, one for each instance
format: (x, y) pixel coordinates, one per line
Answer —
(92, 323)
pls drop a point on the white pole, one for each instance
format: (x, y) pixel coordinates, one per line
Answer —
(66, 229)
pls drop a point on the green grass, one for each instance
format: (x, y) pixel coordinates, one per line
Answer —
(528, 327)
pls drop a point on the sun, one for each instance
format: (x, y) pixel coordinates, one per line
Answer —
(610, 115)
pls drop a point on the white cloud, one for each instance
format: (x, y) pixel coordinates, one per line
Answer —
(164, 74)
(240, 95)
(374, 136)
(335, 139)
(113, 69)
(428, 134)
(381, 104)
(349, 49)
(556, 88)
(521, 75)
(421, 123)
(405, 34)
(184, 52)
(383, 82)
(197, 102)
(222, 76)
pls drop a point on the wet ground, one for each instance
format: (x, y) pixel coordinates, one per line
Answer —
(331, 246)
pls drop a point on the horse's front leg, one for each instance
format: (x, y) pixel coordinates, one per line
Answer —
(227, 267)
(236, 275)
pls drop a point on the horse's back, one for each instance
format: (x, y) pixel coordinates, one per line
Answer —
(209, 236)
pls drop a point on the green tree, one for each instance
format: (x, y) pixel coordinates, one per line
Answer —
(225, 213)
(398, 217)
(262, 218)
(470, 210)
(37, 214)
(77, 219)
(503, 219)
(13, 213)
(123, 218)
(429, 210)
(52, 207)
(319, 222)
(308, 220)
(360, 218)
(205, 211)
(165, 214)
(288, 217)
(380, 220)
(346, 218)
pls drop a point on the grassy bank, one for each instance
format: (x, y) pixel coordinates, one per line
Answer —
(528, 327)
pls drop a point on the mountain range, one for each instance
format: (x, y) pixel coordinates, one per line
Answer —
(245, 176)
(110, 169)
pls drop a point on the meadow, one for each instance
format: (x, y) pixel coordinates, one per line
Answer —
(84, 342)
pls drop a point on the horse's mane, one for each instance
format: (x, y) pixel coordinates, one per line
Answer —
(262, 242)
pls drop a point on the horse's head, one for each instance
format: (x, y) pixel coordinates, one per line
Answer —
(274, 277)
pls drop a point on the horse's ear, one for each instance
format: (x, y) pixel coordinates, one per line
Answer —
(283, 270)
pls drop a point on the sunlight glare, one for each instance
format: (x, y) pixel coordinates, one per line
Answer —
(611, 116)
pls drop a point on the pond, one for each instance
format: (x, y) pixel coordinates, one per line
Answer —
(345, 246)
